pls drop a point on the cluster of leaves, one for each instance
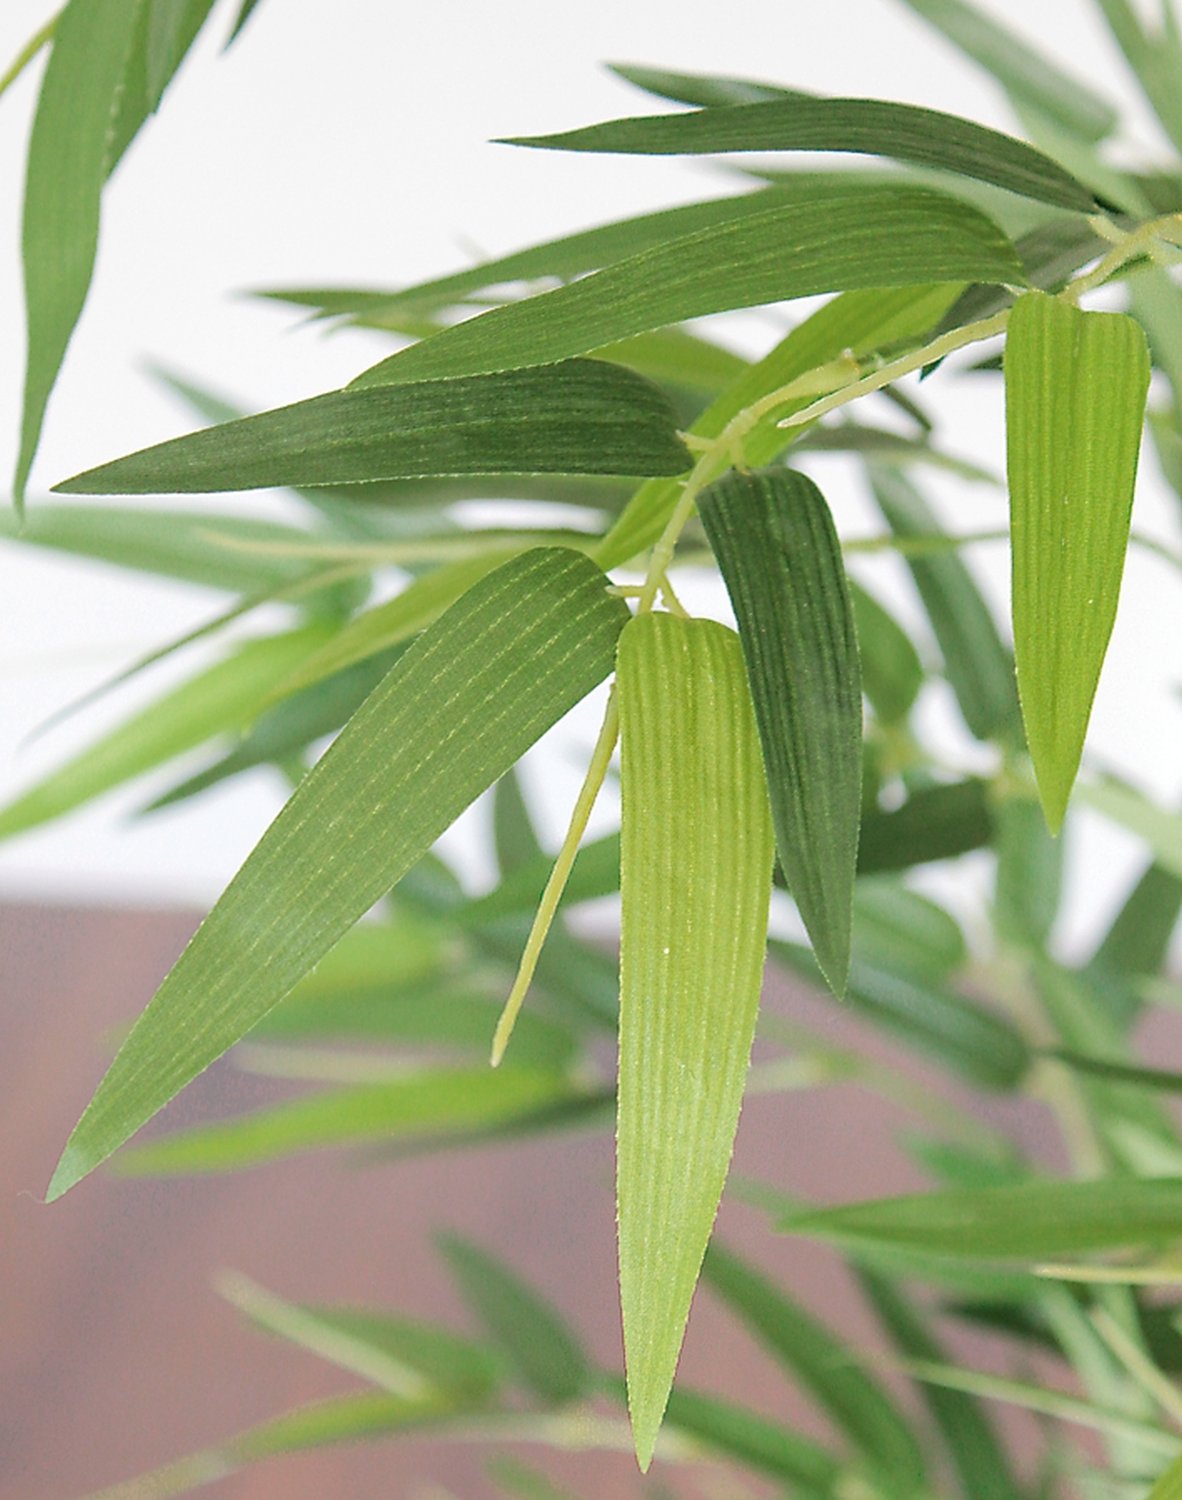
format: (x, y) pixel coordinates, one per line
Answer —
(787, 752)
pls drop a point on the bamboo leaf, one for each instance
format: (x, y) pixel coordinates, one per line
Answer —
(937, 822)
(780, 558)
(1030, 1221)
(857, 1405)
(515, 839)
(904, 932)
(1029, 873)
(924, 137)
(428, 1103)
(1160, 830)
(1161, 1080)
(596, 872)
(219, 700)
(1027, 75)
(461, 706)
(1138, 940)
(698, 88)
(581, 417)
(539, 1345)
(1169, 1485)
(1076, 384)
(892, 673)
(842, 238)
(696, 855)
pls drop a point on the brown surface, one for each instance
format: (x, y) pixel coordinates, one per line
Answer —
(116, 1355)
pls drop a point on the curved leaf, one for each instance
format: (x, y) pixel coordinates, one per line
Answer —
(695, 867)
(841, 238)
(460, 707)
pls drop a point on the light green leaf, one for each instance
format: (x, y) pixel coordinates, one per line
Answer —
(899, 930)
(581, 417)
(780, 558)
(1138, 940)
(892, 673)
(434, 1103)
(515, 839)
(223, 698)
(858, 323)
(596, 872)
(978, 666)
(856, 1404)
(408, 1359)
(879, 445)
(1024, 73)
(698, 88)
(925, 137)
(68, 163)
(678, 358)
(1076, 384)
(164, 34)
(841, 238)
(539, 1345)
(1030, 1221)
(696, 856)
(1169, 1485)
(28, 53)
(460, 707)
(1161, 830)
(1154, 58)
(1029, 873)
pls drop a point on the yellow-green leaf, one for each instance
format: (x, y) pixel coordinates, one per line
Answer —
(460, 707)
(696, 856)
(1076, 384)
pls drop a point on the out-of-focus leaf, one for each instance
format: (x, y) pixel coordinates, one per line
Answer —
(407, 1359)
(1030, 1221)
(596, 872)
(1160, 830)
(581, 416)
(901, 931)
(881, 446)
(437, 1103)
(856, 1404)
(531, 639)
(698, 88)
(1029, 873)
(524, 1482)
(1169, 1485)
(1138, 940)
(874, 126)
(515, 838)
(245, 11)
(695, 867)
(779, 555)
(677, 357)
(1162, 1080)
(892, 673)
(960, 1033)
(978, 1457)
(218, 700)
(937, 822)
(855, 323)
(1023, 72)
(165, 32)
(1154, 58)
(842, 239)
(538, 1344)
(1075, 403)
(978, 667)
(957, 1164)
(399, 950)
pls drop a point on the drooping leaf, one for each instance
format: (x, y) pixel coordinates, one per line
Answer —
(1075, 401)
(937, 822)
(856, 1404)
(218, 700)
(892, 673)
(841, 239)
(582, 416)
(1024, 73)
(528, 641)
(67, 166)
(779, 555)
(978, 667)
(434, 1103)
(406, 1358)
(539, 1345)
(1031, 1221)
(802, 123)
(695, 866)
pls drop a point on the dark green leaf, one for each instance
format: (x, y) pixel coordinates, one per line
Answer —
(841, 239)
(245, 11)
(1163, 1080)
(978, 667)
(858, 1406)
(924, 136)
(1139, 938)
(892, 673)
(698, 88)
(583, 416)
(538, 1344)
(779, 555)
(1075, 402)
(532, 638)
(899, 930)
(695, 867)
(515, 839)
(938, 822)
(1041, 1220)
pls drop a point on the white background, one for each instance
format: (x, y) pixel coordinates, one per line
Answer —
(346, 143)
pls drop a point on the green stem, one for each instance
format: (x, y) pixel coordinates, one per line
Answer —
(28, 52)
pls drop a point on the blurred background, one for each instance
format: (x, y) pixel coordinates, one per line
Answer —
(349, 144)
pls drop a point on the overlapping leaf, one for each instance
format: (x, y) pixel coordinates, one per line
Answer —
(580, 417)
(696, 854)
(464, 703)
(780, 558)
(802, 123)
(842, 238)
(1076, 384)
